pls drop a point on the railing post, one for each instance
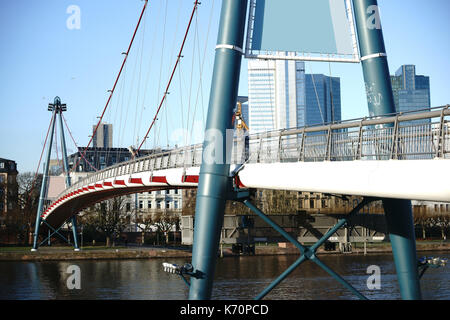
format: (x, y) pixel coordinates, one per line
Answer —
(168, 160)
(381, 101)
(259, 149)
(328, 154)
(394, 145)
(443, 133)
(360, 145)
(441, 141)
(302, 149)
(193, 156)
(214, 176)
(280, 158)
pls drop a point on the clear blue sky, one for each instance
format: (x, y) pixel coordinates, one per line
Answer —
(41, 58)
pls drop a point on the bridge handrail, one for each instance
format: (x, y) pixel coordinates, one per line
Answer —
(399, 136)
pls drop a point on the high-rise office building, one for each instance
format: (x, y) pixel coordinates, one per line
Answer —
(282, 96)
(103, 138)
(275, 93)
(323, 100)
(261, 95)
(411, 91)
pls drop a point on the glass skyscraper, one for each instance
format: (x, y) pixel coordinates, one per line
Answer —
(282, 96)
(323, 100)
(411, 91)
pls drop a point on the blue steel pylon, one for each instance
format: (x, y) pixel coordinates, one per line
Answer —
(380, 99)
(214, 175)
(56, 108)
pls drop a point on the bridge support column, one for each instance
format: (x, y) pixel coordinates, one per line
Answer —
(381, 101)
(400, 226)
(214, 172)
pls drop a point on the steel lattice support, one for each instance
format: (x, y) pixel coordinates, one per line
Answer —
(307, 253)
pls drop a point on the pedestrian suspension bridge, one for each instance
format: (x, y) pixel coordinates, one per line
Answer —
(393, 157)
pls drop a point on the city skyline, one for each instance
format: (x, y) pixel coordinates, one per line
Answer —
(84, 63)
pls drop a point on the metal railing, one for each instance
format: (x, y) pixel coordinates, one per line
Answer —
(403, 136)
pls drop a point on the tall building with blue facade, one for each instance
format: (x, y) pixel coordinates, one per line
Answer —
(323, 100)
(281, 96)
(411, 91)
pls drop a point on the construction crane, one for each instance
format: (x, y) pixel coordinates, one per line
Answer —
(242, 137)
(238, 119)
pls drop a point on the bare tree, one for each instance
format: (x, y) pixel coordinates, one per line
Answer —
(165, 221)
(144, 223)
(108, 217)
(24, 193)
(441, 220)
(445, 225)
(422, 218)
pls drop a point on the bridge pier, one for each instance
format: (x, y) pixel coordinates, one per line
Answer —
(400, 224)
(381, 102)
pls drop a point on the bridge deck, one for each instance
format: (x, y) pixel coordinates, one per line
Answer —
(402, 157)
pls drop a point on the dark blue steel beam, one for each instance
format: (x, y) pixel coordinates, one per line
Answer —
(380, 102)
(214, 172)
(55, 231)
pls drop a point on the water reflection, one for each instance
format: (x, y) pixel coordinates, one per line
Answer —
(236, 278)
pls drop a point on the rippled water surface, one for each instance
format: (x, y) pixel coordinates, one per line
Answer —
(236, 278)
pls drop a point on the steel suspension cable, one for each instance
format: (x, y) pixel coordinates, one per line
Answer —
(141, 52)
(196, 41)
(173, 72)
(159, 124)
(76, 146)
(149, 72)
(40, 159)
(201, 64)
(317, 96)
(117, 79)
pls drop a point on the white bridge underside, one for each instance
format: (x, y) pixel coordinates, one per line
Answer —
(426, 180)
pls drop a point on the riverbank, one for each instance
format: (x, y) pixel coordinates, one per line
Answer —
(103, 253)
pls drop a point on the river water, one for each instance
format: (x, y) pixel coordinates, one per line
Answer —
(236, 278)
